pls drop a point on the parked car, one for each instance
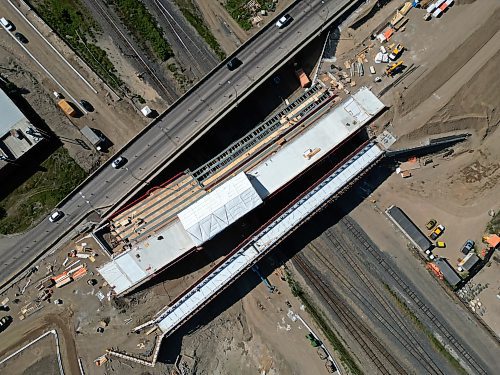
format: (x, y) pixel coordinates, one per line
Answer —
(437, 232)
(7, 24)
(468, 247)
(234, 63)
(118, 162)
(88, 107)
(55, 216)
(431, 224)
(284, 21)
(21, 38)
(440, 244)
(4, 322)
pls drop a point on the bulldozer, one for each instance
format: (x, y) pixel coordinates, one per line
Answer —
(394, 68)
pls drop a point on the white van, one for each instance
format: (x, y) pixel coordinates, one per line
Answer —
(7, 24)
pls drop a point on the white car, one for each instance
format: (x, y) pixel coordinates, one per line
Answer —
(7, 24)
(118, 162)
(284, 21)
(55, 216)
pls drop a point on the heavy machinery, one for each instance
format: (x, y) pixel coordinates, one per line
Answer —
(393, 69)
(66, 107)
(396, 52)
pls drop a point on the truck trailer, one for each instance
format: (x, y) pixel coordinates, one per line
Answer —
(66, 107)
(95, 139)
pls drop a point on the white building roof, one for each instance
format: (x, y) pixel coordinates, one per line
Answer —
(148, 257)
(318, 140)
(219, 209)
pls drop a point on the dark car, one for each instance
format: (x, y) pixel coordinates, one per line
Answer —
(468, 247)
(21, 38)
(234, 63)
(4, 322)
(85, 104)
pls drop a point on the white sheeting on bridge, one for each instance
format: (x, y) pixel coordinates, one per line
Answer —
(317, 141)
(219, 209)
(172, 317)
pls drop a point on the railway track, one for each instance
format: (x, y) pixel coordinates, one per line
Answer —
(375, 351)
(187, 43)
(166, 90)
(385, 313)
(351, 226)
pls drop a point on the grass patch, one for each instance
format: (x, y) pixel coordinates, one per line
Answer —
(494, 224)
(75, 25)
(37, 196)
(434, 341)
(345, 357)
(242, 14)
(192, 14)
(138, 20)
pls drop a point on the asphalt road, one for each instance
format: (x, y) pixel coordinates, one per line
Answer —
(179, 127)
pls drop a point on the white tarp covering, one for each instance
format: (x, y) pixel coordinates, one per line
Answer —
(171, 317)
(219, 209)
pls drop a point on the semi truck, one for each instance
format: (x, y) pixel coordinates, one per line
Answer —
(66, 107)
(94, 138)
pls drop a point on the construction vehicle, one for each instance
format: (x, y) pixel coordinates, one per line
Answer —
(66, 107)
(396, 52)
(394, 68)
(313, 340)
(437, 232)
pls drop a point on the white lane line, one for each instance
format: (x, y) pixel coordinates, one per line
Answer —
(75, 102)
(53, 48)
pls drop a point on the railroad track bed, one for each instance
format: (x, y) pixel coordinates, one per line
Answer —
(335, 268)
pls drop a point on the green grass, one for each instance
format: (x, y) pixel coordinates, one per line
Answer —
(138, 20)
(37, 196)
(192, 14)
(435, 342)
(241, 14)
(344, 356)
(75, 25)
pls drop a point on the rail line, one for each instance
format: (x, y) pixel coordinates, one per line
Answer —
(177, 29)
(359, 331)
(466, 357)
(172, 96)
(401, 332)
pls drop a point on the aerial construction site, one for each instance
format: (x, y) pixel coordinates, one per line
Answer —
(276, 188)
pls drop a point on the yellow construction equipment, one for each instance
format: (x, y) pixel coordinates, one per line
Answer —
(394, 68)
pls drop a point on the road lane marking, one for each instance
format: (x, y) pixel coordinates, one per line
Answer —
(53, 48)
(47, 72)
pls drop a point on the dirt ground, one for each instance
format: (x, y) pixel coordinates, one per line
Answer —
(225, 29)
(450, 92)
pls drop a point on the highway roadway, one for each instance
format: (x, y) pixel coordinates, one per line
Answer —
(178, 128)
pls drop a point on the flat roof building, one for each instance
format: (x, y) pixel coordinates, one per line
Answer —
(449, 273)
(17, 134)
(407, 226)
